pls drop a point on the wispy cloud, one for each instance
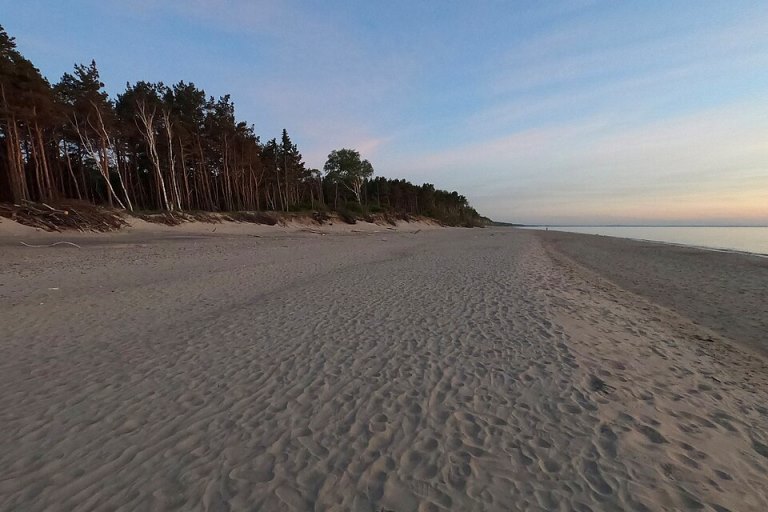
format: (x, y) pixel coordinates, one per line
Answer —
(564, 109)
(713, 162)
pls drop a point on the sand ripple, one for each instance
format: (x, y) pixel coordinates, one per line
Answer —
(452, 370)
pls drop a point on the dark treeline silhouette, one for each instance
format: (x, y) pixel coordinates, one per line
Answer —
(173, 148)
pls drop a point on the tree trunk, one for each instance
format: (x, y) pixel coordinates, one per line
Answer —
(171, 159)
(148, 120)
(187, 194)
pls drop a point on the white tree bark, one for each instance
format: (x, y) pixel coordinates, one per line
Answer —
(100, 156)
(109, 143)
(171, 159)
(147, 118)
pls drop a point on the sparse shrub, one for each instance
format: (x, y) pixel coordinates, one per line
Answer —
(252, 217)
(321, 217)
(265, 218)
(353, 206)
(348, 217)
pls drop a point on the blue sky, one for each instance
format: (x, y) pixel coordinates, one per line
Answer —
(540, 112)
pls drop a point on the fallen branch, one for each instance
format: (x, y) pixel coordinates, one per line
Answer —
(74, 215)
(51, 245)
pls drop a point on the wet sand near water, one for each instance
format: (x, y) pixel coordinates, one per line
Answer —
(726, 292)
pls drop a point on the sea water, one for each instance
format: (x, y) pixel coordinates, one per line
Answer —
(742, 239)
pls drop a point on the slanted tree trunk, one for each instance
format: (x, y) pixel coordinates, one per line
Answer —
(171, 159)
(107, 143)
(187, 193)
(50, 187)
(147, 118)
(355, 187)
(16, 174)
(101, 158)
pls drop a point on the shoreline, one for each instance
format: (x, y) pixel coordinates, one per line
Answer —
(663, 242)
(722, 290)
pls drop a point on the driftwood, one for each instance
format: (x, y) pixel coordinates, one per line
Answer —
(313, 231)
(252, 217)
(177, 217)
(25, 244)
(320, 217)
(72, 215)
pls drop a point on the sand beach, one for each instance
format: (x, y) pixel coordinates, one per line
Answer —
(400, 370)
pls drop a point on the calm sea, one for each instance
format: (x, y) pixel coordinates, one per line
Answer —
(744, 239)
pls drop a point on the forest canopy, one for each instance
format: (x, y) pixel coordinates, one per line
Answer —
(156, 147)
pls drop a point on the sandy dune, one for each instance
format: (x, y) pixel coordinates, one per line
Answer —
(450, 369)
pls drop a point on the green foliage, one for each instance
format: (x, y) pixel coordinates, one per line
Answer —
(403, 198)
(175, 148)
(345, 166)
